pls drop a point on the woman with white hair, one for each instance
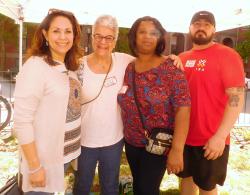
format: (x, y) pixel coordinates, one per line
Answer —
(101, 74)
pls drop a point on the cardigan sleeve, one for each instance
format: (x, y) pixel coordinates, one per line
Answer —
(28, 92)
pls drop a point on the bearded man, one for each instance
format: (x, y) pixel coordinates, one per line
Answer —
(216, 81)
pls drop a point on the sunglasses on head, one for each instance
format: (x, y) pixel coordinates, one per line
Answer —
(58, 11)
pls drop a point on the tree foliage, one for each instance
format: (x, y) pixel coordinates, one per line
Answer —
(8, 34)
(244, 47)
(122, 42)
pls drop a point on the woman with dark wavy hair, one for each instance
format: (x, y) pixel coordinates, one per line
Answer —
(48, 104)
(163, 100)
(40, 43)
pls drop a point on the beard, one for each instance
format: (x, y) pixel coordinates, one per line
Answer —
(201, 40)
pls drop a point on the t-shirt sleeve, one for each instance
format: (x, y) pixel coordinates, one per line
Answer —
(232, 69)
(126, 76)
(180, 90)
(128, 58)
(123, 58)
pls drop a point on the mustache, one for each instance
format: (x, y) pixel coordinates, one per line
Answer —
(201, 31)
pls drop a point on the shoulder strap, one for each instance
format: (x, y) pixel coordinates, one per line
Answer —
(135, 96)
(101, 86)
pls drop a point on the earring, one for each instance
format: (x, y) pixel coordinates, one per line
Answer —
(47, 44)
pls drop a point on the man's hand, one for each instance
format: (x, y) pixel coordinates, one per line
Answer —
(216, 144)
(214, 147)
(177, 61)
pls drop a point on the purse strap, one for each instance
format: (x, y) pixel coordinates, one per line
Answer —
(136, 99)
(101, 86)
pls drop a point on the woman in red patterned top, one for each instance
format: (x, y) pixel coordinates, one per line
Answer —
(164, 101)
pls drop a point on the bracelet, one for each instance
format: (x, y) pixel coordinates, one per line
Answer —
(35, 170)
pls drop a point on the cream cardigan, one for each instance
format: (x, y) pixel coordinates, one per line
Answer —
(41, 100)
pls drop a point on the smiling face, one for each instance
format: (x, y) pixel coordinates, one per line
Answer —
(202, 32)
(60, 37)
(103, 40)
(146, 37)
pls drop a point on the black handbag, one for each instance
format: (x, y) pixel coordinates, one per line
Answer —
(159, 139)
(11, 187)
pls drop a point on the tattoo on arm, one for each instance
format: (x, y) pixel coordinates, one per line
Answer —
(234, 95)
(240, 89)
(233, 100)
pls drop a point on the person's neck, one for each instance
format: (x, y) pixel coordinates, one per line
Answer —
(58, 58)
(200, 47)
(146, 62)
(104, 60)
(99, 64)
(145, 58)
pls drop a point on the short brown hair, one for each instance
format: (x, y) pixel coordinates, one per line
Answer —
(39, 47)
(161, 44)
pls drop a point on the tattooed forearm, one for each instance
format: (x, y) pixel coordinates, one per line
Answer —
(240, 89)
(234, 95)
(233, 100)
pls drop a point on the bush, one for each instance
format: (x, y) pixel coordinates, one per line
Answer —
(243, 48)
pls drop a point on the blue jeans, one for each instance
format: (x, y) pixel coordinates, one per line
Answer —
(108, 159)
(66, 166)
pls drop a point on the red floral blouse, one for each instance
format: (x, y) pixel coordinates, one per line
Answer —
(159, 91)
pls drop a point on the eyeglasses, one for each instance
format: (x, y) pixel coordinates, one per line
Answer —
(154, 33)
(58, 11)
(99, 38)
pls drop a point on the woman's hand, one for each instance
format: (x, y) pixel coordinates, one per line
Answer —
(177, 61)
(38, 178)
(175, 161)
(36, 171)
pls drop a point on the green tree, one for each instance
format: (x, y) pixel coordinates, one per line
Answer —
(8, 34)
(122, 42)
(244, 47)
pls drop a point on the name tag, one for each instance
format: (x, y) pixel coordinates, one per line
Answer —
(110, 81)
